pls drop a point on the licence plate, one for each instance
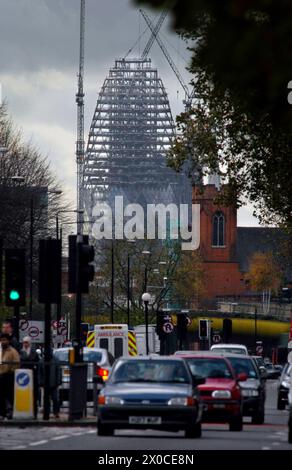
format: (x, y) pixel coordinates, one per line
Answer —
(144, 420)
(219, 406)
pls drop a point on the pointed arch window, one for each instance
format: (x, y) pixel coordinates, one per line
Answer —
(218, 229)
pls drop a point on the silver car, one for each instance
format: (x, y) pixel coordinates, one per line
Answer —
(99, 361)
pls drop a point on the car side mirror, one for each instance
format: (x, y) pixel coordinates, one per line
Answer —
(198, 380)
(242, 377)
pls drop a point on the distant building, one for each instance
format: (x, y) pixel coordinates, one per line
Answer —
(226, 249)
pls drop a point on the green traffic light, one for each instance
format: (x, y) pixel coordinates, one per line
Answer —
(14, 295)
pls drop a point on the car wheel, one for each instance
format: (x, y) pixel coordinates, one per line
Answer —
(194, 432)
(236, 424)
(258, 417)
(280, 404)
(104, 430)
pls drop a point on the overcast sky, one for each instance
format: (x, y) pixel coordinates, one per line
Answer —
(39, 47)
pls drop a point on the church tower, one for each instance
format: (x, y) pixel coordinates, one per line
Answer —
(218, 230)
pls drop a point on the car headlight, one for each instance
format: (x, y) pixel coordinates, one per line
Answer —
(249, 392)
(221, 394)
(113, 401)
(286, 382)
(178, 401)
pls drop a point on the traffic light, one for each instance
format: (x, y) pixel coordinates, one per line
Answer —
(203, 328)
(50, 271)
(86, 271)
(159, 324)
(182, 325)
(14, 277)
(227, 329)
(85, 268)
(84, 331)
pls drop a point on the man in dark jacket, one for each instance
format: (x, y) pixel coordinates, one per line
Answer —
(7, 329)
(29, 359)
(55, 382)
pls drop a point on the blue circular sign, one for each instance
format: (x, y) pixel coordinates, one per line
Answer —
(22, 379)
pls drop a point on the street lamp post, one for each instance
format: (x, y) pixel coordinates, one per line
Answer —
(146, 299)
(64, 212)
(255, 326)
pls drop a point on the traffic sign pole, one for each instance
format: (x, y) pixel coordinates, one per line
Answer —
(47, 361)
(16, 321)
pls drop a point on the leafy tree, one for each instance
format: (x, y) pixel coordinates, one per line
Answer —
(241, 64)
(264, 276)
(36, 194)
(172, 277)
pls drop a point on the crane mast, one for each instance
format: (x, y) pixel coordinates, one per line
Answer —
(80, 144)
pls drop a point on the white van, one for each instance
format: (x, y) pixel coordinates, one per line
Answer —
(230, 348)
(118, 339)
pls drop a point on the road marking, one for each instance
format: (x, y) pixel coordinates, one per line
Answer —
(39, 443)
(91, 432)
(266, 448)
(275, 443)
(18, 447)
(58, 438)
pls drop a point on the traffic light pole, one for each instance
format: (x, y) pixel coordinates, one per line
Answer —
(16, 321)
(78, 313)
(47, 364)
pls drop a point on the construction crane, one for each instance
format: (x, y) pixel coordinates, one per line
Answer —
(155, 30)
(80, 144)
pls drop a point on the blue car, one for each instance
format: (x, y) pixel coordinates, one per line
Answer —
(150, 393)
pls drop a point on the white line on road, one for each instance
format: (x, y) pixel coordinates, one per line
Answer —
(39, 443)
(57, 438)
(266, 448)
(91, 432)
(18, 447)
(275, 443)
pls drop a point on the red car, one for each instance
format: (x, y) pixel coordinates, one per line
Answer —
(221, 394)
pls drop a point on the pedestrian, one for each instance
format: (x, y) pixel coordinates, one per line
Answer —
(55, 382)
(30, 360)
(10, 362)
(7, 328)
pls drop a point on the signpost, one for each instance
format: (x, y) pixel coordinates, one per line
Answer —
(33, 329)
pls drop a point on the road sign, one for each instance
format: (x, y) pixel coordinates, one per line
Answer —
(216, 338)
(168, 327)
(23, 394)
(33, 329)
(189, 320)
(23, 325)
(33, 332)
(259, 350)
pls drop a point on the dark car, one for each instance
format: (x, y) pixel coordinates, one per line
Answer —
(253, 389)
(221, 393)
(150, 393)
(283, 387)
(272, 372)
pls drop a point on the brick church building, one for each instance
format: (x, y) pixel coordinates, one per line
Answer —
(226, 249)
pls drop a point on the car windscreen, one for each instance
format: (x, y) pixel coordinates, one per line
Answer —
(88, 356)
(92, 356)
(150, 371)
(231, 350)
(62, 355)
(209, 368)
(244, 365)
